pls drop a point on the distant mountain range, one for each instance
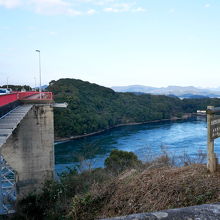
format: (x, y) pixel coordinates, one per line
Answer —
(42, 87)
(179, 91)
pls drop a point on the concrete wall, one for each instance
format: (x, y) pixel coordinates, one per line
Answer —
(200, 212)
(30, 149)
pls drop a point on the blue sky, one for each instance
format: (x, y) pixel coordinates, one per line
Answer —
(111, 42)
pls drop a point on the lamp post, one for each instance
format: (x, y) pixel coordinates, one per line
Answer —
(7, 82)
(38, 51)
(35, 85)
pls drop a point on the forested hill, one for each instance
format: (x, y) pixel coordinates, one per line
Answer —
(93, 108)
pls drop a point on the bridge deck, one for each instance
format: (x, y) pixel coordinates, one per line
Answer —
(10, 121)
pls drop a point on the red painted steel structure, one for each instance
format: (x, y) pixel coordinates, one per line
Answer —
(15, 96)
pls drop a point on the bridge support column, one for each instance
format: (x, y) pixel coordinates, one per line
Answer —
(30, 149)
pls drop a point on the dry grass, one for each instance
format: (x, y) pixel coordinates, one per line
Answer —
(157, 189)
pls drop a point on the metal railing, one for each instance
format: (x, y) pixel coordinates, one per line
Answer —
(37, 96)
(15, 96)
(7, 188)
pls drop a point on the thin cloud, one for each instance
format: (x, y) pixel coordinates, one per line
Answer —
(73, 7)
(207, 5)
(53, 7)
(139, 9)
(91, 12)
(52, 33)
(124, 7)
(10, 3)
(172, 11)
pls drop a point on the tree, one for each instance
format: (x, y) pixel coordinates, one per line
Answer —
(119, 161)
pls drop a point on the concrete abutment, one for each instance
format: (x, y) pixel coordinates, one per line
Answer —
(30, 149)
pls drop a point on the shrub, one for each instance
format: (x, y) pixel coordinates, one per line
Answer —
(119, 160)
(54, 201)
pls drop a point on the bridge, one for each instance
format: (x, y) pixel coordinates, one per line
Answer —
(26, 145)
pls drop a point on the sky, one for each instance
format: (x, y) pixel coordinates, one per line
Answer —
(111, 42)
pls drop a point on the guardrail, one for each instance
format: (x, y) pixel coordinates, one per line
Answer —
(36, 96)
(15, 96)
(6, 99)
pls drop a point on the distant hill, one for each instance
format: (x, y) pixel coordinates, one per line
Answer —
(42, 87)
(92, 108)
(180, 91)
(191, 96)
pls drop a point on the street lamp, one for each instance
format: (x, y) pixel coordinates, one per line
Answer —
(7, 82)
(38, 51)
(35, 84)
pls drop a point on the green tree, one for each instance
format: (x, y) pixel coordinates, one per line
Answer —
(119, 161)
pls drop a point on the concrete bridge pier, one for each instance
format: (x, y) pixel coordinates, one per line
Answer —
(29, 150)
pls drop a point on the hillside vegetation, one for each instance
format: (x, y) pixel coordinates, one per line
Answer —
(125, 186)
(93, 108)
(17, 87)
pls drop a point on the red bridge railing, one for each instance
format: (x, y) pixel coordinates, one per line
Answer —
(12, 97)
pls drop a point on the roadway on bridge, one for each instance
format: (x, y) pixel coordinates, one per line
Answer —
(10, 121)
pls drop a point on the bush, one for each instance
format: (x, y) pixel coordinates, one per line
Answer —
(55, 199)
(84, 207)
(119, 160)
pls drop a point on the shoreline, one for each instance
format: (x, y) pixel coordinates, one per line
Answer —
(76, 137)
